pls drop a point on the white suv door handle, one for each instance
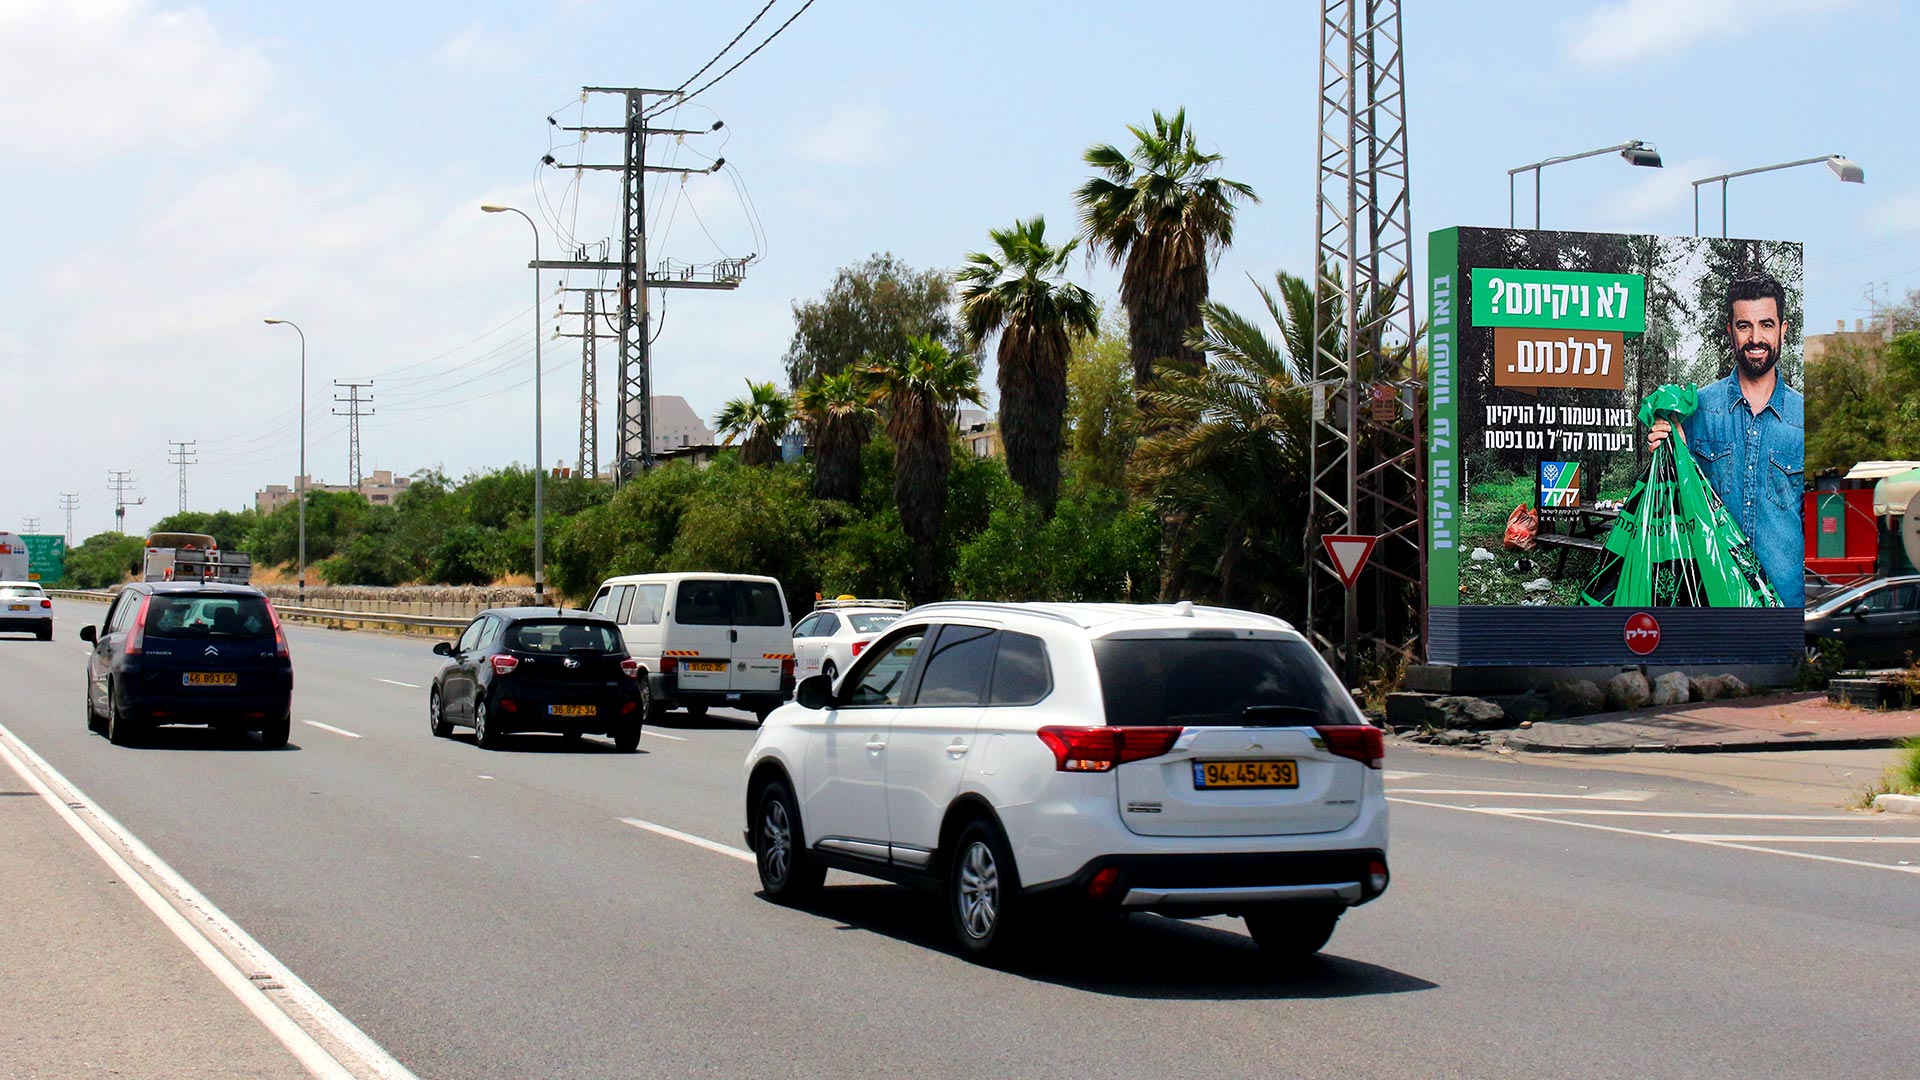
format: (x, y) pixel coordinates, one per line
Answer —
(876, 744)
(956, 748)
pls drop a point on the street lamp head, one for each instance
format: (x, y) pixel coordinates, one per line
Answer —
(717, 125)
(489, 208)
(1846, 169)
(1643, 154)
(275, 322)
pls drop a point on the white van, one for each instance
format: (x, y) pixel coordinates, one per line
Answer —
(704, 639)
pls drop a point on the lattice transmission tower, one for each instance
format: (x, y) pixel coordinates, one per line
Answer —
(1367, 380)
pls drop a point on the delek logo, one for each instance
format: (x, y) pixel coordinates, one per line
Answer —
(1643, 633)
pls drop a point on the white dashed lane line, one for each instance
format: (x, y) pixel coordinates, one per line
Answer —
(689, 838)
(662, 735)
(330, 727)
(397, 682)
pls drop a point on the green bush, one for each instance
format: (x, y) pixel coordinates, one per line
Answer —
(104, 559)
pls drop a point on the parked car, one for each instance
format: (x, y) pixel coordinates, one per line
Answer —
(704, 640)
(537, 669)
(826, 641)
(1176, 759)
(24, 606)
(189, 653)
(1876, 623)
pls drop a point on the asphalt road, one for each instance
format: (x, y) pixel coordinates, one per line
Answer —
(548, 911)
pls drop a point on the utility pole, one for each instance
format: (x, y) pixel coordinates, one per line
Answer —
(353, 401)
(589, 335)
(29, 525)
(635, 445)
(68, 501)
(121, 481)
(180, 453)
(1365, 450)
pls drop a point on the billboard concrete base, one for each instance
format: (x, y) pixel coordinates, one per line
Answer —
(1483, 681)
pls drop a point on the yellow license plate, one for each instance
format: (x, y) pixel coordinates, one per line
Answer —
(210, 678)
(16, 607)
(570, 710)
(1245, 774)
(706, 665)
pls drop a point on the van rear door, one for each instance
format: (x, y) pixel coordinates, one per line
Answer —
(700, 638)
(762, 641)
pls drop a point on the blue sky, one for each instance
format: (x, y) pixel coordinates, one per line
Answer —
(176, 173)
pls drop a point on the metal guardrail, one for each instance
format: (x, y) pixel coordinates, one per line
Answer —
(390, 618)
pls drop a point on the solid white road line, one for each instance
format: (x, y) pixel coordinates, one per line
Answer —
(330, 727)
(1521, 814)
(397, 682)
(1397, 774)
(1790, 839)
(1700, 815)
(272, 1015)
(1599, 796)
(689, 838)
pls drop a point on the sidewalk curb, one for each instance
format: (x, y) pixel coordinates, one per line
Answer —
(1523, 744)
(1897, 804)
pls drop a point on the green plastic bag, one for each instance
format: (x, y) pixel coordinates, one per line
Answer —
(1674, 543)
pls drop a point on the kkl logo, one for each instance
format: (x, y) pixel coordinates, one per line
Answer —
(1642, 633)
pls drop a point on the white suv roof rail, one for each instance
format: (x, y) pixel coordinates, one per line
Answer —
(830, 605)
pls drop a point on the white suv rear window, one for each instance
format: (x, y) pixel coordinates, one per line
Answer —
(1199, 681)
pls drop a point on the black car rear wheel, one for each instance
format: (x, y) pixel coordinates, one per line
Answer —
(437, 721)
(626, 737)
(121, 730)
(696, 711)
(485, 733)
(273, 735)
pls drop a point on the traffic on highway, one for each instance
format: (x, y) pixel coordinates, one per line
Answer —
(553, 881)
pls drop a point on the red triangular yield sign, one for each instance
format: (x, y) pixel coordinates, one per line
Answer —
(1349, 554)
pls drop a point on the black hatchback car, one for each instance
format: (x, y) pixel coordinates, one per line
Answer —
(189, 653)
(1876, 623)
(537, 669)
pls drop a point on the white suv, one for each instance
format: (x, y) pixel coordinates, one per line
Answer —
(1176, 759)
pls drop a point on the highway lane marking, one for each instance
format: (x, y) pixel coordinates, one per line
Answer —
(397, 682)
(689, 838)
(1790, 839)
(663, 735)
(268, 1008)
(1526, 814)
(1397, 774)
(1699, 815)
(335, 730)
(1599, 796)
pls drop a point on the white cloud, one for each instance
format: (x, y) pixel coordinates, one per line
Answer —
(850, 135)
(1630, 30)
(1644, 204)
(89, 79)
(475, 44)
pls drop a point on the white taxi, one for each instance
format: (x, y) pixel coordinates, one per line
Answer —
(825, 642)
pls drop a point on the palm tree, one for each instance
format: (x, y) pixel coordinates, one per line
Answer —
(762, 416)
(917, 391)
(1015, 291)
(1161, 210)
(838, 419)
(1228, 460)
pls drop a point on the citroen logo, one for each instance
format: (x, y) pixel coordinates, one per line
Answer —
(211, 651)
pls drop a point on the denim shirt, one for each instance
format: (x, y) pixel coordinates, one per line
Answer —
(1756, 465)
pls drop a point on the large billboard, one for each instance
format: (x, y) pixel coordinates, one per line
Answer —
(1616, 448)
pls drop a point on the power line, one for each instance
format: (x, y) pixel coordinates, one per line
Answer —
(727, 48)
(736, 64)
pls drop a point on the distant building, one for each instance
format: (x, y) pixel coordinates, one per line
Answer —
(983, 438)
(1864, 335)
(675, 424)
(380, 487)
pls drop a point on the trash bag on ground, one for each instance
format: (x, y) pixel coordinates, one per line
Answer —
(1675, 544)
(1522, 525)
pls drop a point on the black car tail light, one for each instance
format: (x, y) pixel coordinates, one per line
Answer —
(504, 664)
(137, 637)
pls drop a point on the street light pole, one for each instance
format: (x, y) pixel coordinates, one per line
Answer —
(1843, 168)
(300, 495)
(539, 466)
(1637, 152)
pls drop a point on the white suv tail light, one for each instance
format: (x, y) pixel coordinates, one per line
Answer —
(1361, 742)
(1099, 749)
